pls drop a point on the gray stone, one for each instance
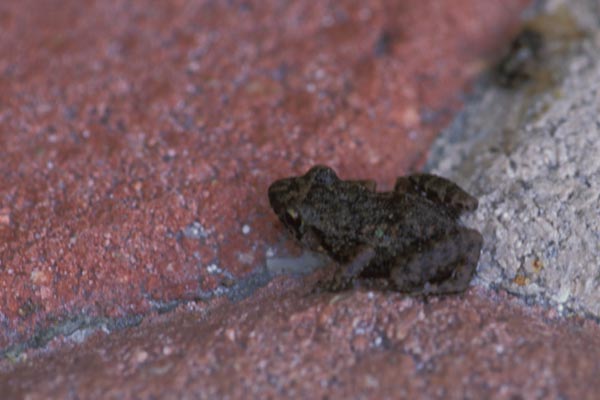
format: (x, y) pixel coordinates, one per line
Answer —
(532, 156)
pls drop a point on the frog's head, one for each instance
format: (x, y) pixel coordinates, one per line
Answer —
(287, 195)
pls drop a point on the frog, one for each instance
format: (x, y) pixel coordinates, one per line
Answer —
(409, 239)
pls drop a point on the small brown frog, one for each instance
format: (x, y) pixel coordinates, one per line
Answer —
(408, 239)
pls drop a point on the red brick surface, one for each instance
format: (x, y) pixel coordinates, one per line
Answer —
(124, 123)
(479, 345)
(137, 140)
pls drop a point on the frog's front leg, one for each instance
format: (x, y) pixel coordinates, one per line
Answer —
(439, 190)
(346, 273)
(443, 265)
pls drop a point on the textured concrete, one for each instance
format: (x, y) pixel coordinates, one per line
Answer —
(532, 155)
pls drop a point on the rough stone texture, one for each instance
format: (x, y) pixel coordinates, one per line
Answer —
(137, 139)
(478, 345)
(534, 161)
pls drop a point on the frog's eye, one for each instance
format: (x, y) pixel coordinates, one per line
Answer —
(292, 219)
(293, 214)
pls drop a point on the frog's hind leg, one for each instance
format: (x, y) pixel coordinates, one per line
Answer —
(439, 190)
(443, 265)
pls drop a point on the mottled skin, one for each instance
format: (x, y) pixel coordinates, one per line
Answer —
(407, 239)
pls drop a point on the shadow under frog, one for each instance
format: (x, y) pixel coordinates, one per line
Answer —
(408, 239)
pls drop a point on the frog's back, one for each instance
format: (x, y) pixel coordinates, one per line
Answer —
(405, 219)
(350, 218)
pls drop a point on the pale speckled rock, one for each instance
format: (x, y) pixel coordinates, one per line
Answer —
(533, 158)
